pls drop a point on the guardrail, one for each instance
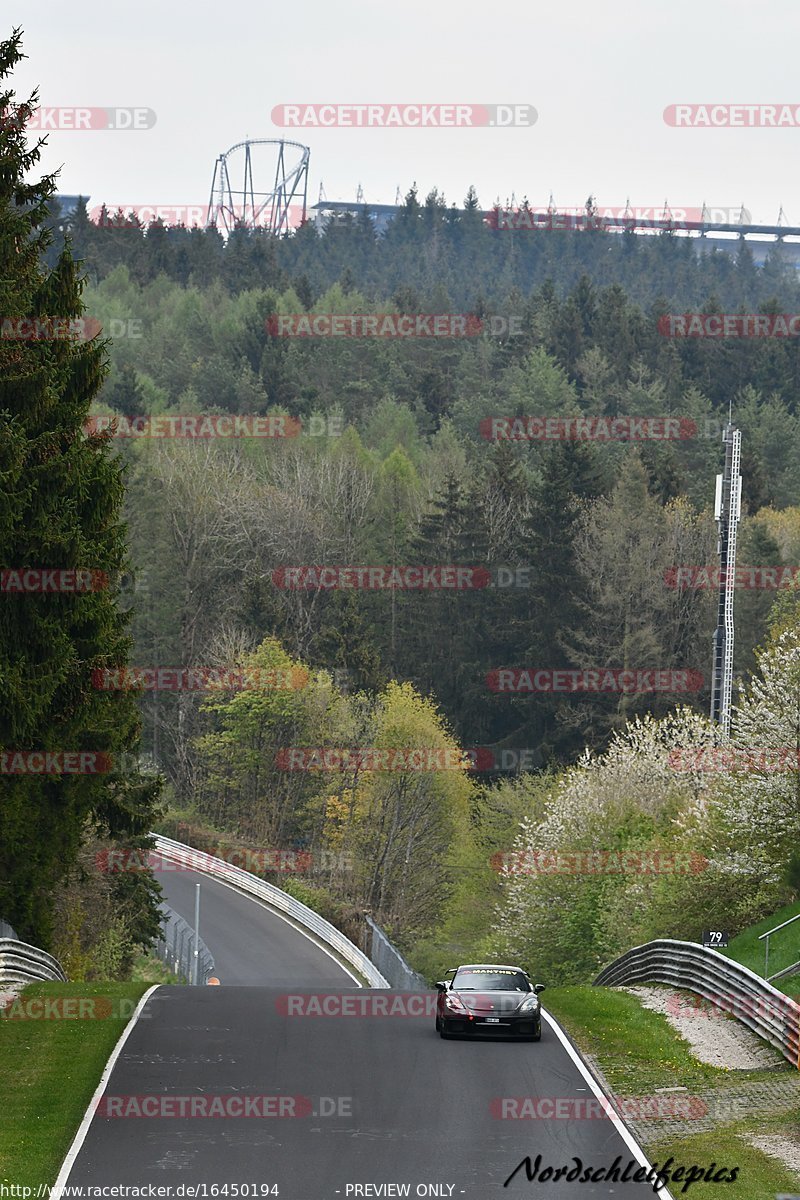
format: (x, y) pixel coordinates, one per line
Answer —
(21, 963)
(726, 983)
(787, 970)
(274, 898)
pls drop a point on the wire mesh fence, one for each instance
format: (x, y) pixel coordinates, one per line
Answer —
(390, 962)
(175, 948)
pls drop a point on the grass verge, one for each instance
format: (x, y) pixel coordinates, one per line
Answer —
(50, 1066)
(638, 1052)
(760, 1177)
(149, 969)
(637, 1049)
(784, 948)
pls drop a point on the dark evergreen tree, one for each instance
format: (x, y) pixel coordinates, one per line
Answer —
(556, 600)
(125, 394)
(442, 626)
(62, 495)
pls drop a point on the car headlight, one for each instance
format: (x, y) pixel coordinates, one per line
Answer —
(454, 1003)
(530, 1004)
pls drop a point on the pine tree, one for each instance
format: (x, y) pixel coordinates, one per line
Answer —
(61, 500)
(126, 394)
(556, 600)
(443, 626)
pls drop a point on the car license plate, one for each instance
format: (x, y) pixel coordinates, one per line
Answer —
(492, 1020)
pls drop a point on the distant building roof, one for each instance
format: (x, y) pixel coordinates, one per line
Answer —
(67, 204)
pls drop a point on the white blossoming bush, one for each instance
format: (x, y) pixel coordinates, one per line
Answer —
(567, 914)
(761, 799)
(729, 810)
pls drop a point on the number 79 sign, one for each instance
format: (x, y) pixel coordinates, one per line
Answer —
(715, 938)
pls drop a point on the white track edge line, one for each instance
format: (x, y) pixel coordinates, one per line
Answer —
(88, 1116)
(622, 1129)
(274, 912)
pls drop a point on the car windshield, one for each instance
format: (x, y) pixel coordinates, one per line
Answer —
(491, 981)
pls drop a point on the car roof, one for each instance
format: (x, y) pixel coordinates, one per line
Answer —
(490, 967)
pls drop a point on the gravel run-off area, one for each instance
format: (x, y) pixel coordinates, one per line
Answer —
(720, 1040)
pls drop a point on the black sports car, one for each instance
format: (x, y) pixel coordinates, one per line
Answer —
(491, 1001)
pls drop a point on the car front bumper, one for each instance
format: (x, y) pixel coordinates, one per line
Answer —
(528, 1025)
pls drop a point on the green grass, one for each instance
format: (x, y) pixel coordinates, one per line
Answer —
(784, 948)
(49, 1070)
(760, 1177)
(149, 969)
(638, 1051)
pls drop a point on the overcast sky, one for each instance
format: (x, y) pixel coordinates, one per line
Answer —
(599, 76)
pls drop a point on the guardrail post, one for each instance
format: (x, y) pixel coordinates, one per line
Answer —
(196, 931)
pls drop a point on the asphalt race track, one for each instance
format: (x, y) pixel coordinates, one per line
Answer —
(355, 1099)
(249, 943)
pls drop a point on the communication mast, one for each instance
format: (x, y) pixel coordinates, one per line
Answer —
(727, 511)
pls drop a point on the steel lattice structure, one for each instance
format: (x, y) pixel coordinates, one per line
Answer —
(727, 510)
(250, 208)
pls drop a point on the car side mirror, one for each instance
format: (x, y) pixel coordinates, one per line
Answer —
(441, 986)
(540, 987)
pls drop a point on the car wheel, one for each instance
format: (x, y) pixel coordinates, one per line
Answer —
(443, 1033)
(537, 1037)
(438, 1025)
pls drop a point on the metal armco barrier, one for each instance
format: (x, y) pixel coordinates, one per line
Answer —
(273, 897)
(21, 963)
(727, 984)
